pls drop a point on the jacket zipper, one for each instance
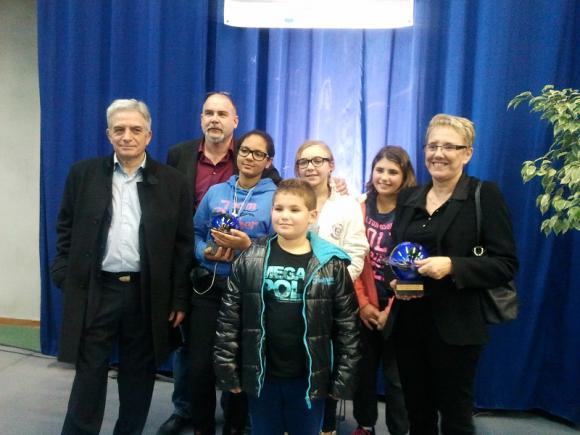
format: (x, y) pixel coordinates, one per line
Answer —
(310, 278)
(262, 373)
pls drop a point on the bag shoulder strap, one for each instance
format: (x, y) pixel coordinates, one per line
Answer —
(478, 250)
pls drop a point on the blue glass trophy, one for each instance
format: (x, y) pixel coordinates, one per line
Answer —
(224, 223)
(402, 262)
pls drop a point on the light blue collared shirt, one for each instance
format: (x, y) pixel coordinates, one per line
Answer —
(122, 250)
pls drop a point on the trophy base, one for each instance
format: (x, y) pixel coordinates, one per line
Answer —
(409, 289)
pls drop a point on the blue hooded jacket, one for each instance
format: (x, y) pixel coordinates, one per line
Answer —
(254, 213)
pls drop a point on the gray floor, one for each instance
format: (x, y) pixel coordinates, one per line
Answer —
(34, 392)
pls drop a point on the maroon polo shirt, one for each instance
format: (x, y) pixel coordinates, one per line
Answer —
(209, 174)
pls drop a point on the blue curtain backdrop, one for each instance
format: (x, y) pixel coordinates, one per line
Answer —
(357, 90)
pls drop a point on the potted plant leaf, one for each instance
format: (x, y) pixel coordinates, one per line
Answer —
(559, 168)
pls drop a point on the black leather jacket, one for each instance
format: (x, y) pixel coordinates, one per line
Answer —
(331, 322)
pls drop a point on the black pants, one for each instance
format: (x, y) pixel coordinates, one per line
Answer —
(119, 317)
(377, 349)
(329, 420)
(437, 377)
(181, 394)
(202, 376)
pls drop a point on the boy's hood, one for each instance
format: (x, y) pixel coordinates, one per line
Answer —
(324, 250)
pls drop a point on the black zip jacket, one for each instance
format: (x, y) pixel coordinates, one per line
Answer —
(330, 313)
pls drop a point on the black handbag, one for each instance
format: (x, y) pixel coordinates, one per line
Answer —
(499, 304)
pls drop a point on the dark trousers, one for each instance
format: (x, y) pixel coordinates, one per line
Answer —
(376, 349)
(181, 394)
(329, 420)
(437, 377)
(282, 408)
(118, 318)
(202, 376)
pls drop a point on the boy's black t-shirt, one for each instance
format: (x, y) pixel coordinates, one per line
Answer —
(283, 291)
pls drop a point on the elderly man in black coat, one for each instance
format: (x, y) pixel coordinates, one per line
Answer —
(124, 252)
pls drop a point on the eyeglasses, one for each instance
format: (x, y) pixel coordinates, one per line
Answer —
(316, 162)
(257, 155)
(446, 147)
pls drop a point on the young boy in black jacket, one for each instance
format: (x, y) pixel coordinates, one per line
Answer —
(288, 326)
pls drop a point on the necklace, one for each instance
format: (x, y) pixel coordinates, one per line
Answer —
(434, 202)
(238, 210)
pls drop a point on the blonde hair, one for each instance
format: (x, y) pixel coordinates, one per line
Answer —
(306, 145)
(463, 126)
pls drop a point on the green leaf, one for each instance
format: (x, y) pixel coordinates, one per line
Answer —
(545, 227)
(544, 203)
(528, 171)
(565, 225)
(546, 181)
(557, 226)
(518, 99)
(574, 176)
(559, 167)
(559, 204)
(574, 214)
(515, 102)
(554, 223)
(547, 88)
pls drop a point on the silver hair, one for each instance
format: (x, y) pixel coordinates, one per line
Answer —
(133, 105)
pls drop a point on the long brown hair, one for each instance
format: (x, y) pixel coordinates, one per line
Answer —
(399, 156)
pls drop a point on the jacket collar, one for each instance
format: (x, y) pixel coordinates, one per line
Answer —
(417, 200)
(456, 201)
(460, 193)
(322, 250)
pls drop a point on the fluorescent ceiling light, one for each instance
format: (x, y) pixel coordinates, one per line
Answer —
(324, 14)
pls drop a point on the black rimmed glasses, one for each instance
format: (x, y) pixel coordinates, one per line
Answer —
(257, 155)
(316, 162)
(446, 147)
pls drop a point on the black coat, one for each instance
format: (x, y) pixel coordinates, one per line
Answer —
(331, 323)
(166, 241)
(455, 300)
(184, 156)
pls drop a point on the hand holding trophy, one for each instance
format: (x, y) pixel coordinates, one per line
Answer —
(225, 222)
(402, 261)
(221, 224)
(227, 234)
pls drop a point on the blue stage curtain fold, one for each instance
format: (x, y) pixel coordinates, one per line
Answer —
(357, 90)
